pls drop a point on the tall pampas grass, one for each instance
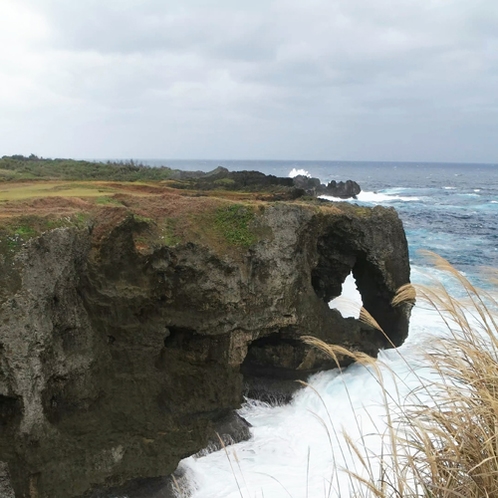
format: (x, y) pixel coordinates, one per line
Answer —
(442, 442)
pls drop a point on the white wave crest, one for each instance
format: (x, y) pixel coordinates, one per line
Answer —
(296, 172)
(380, 197)
(375, 198)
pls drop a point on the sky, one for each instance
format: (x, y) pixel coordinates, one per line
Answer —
(373, 80)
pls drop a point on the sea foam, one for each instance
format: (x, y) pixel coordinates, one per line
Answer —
(375, 198)
(296, 172)
(299, 449)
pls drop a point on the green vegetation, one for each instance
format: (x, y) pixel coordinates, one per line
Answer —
(17, 231)
(233, 222)
(107, 201)
(143, 219)
(169, 233)
(18, 167)
(225, 182)
(19, 235)
(26, 190)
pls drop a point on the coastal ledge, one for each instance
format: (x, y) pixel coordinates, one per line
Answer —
(132, 318)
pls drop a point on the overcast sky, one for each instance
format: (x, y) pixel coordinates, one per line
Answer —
(400, 80)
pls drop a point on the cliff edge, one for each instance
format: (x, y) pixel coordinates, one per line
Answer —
(125, 337)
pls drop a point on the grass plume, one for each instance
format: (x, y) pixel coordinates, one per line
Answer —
(444, 444)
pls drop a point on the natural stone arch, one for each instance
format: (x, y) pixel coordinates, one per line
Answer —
(379, 270)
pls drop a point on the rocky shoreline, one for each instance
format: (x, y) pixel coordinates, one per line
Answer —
(123, 350)
(254, 181)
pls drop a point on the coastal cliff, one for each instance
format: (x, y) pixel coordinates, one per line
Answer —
(126, 338)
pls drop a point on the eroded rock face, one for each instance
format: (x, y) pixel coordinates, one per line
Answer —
(115, 362)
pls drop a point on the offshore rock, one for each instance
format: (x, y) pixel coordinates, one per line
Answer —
(117, 361)
(342, 190)
(270, 187)
(280, 188)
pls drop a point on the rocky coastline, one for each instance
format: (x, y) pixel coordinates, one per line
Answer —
(125, 348)
(254, 181)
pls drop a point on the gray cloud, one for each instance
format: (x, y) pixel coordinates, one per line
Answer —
(323, 79)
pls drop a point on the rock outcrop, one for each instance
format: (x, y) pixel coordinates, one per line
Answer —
(117, 360)
(281, 188)
(278, 188)
(342, 190)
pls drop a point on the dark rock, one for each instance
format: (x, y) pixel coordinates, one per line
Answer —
(115, 363)
(227, 430)
(6, 490)
(310, 185)
(223, 179)
(231, 428)
(175, 485)
(269, 390)
(344, 190)
(218, 171)
(255, 181)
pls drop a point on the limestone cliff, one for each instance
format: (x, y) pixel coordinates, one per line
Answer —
(119, 349)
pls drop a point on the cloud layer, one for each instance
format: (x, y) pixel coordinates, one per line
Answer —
(323, 79)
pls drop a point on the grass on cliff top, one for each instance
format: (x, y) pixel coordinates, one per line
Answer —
(222, 222)
(227, 222)
(225, 227)
(20, 191)
(15, 232)
(233, 223)
(16, 191)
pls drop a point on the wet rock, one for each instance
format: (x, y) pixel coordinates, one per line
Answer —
(175, 485)
(342, 190)
(229, 429)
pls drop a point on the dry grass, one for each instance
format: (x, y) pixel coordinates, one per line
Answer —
(20, 191)
(174, 216)
(445, 446)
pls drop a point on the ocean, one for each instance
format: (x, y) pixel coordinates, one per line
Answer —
(298, 450)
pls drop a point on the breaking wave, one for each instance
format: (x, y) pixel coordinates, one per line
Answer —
(375, 198)
(296, 172)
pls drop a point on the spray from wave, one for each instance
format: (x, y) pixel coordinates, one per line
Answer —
(296, 172)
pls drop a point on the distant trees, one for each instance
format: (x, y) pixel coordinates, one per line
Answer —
(18, 167)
